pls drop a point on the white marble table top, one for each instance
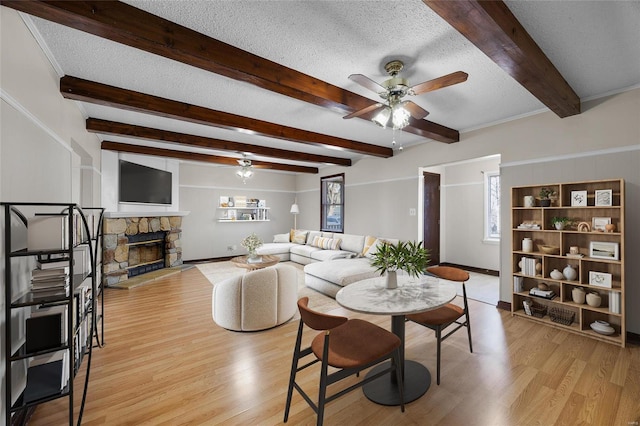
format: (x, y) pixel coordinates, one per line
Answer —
(413, 295)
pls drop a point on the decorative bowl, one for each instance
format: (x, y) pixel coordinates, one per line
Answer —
(549, 249)
(602, 327)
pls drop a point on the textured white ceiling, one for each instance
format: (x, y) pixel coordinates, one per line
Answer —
(594, 44)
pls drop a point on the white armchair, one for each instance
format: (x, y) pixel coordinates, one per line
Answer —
(257, 300)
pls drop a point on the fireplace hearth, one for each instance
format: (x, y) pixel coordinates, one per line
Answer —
(137, 245)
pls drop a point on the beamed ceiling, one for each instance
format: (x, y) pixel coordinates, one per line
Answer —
(210, 81)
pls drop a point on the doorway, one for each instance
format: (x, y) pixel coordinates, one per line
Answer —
(431, 215)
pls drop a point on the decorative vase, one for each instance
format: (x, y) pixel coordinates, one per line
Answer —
(529, 201)
(578, 295)
(392, 279)
(594, 299)
(610, 227)
(559, 226)
(253, 254)
(556, 275)
(569, 273)
(527, 245)
(545, 202)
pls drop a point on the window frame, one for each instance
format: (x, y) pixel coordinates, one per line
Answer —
(325, 206)
(489, 235)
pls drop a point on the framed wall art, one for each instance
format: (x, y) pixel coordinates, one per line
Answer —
(600, 223)
(604, 250)
(578, 198)
(600, 279)
(604, 197)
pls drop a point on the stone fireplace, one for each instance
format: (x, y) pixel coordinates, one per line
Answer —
(136, 245)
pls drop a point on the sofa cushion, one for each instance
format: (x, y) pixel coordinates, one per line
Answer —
(275, 248)
(353, 243)
(342, 271)
(374, 247)
(326, 243)
(324, 255)
(300, 237)
(368, 242)
(304, 250)
(312, 236)
(281, 238)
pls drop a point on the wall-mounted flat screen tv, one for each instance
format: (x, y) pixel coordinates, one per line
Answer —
(142, 184)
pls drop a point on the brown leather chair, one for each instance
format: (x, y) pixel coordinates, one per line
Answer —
(448, 315)
(349, 345)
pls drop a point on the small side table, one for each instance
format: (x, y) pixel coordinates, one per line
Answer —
(266, 261)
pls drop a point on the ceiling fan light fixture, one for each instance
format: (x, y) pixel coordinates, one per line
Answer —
(245, 171)
(400, 116)
(382, 118)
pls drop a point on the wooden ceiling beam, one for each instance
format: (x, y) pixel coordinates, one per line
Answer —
(492, 27)
(136, 28)
(194, 156)
(102, 94)
(96, 125)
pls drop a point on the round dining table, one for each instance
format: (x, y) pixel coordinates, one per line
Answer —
(412, 295)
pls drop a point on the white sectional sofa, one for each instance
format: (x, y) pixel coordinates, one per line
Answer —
(331, 261)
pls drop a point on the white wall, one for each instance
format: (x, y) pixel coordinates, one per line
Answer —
(463, 214)
(37, 158)
(201, 186)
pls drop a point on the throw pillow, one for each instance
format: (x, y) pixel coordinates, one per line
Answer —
(326, 243)
(368, 242)
(300, 237)
(281, 238)
(374, 247)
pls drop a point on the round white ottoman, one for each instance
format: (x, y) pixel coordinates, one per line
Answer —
(256, 300)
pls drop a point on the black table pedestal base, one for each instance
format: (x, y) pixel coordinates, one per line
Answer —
(384, 391)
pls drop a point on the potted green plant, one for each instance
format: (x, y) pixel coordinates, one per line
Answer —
(560, 222)
(408, 256)
(545, 196)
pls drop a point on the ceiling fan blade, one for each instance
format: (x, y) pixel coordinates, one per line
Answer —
(439, 83)
(367, 83)
(415, 110)
(363, 111)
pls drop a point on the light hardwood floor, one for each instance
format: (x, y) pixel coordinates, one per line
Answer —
(167, 363)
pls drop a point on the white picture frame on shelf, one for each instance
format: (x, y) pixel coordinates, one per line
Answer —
(604, 197)
(604, 250)
(599, 223)
(600, 279)
(578, 198)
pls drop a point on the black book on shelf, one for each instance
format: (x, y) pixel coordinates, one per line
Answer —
(43, 332)
(43, 381)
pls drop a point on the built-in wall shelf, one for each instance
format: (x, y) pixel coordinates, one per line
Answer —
(242, 209)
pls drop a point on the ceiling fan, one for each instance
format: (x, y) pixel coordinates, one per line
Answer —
(395, 111)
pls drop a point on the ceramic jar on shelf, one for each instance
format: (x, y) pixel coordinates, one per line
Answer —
(527, 245)
(569, 273)
(556, 275)
(593, 299)
(578, 295)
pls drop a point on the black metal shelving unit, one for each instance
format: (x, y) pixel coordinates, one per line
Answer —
(77, 233)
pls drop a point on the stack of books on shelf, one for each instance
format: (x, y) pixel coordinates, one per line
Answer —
(528, 265)
(50, 278)
(547, 294)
